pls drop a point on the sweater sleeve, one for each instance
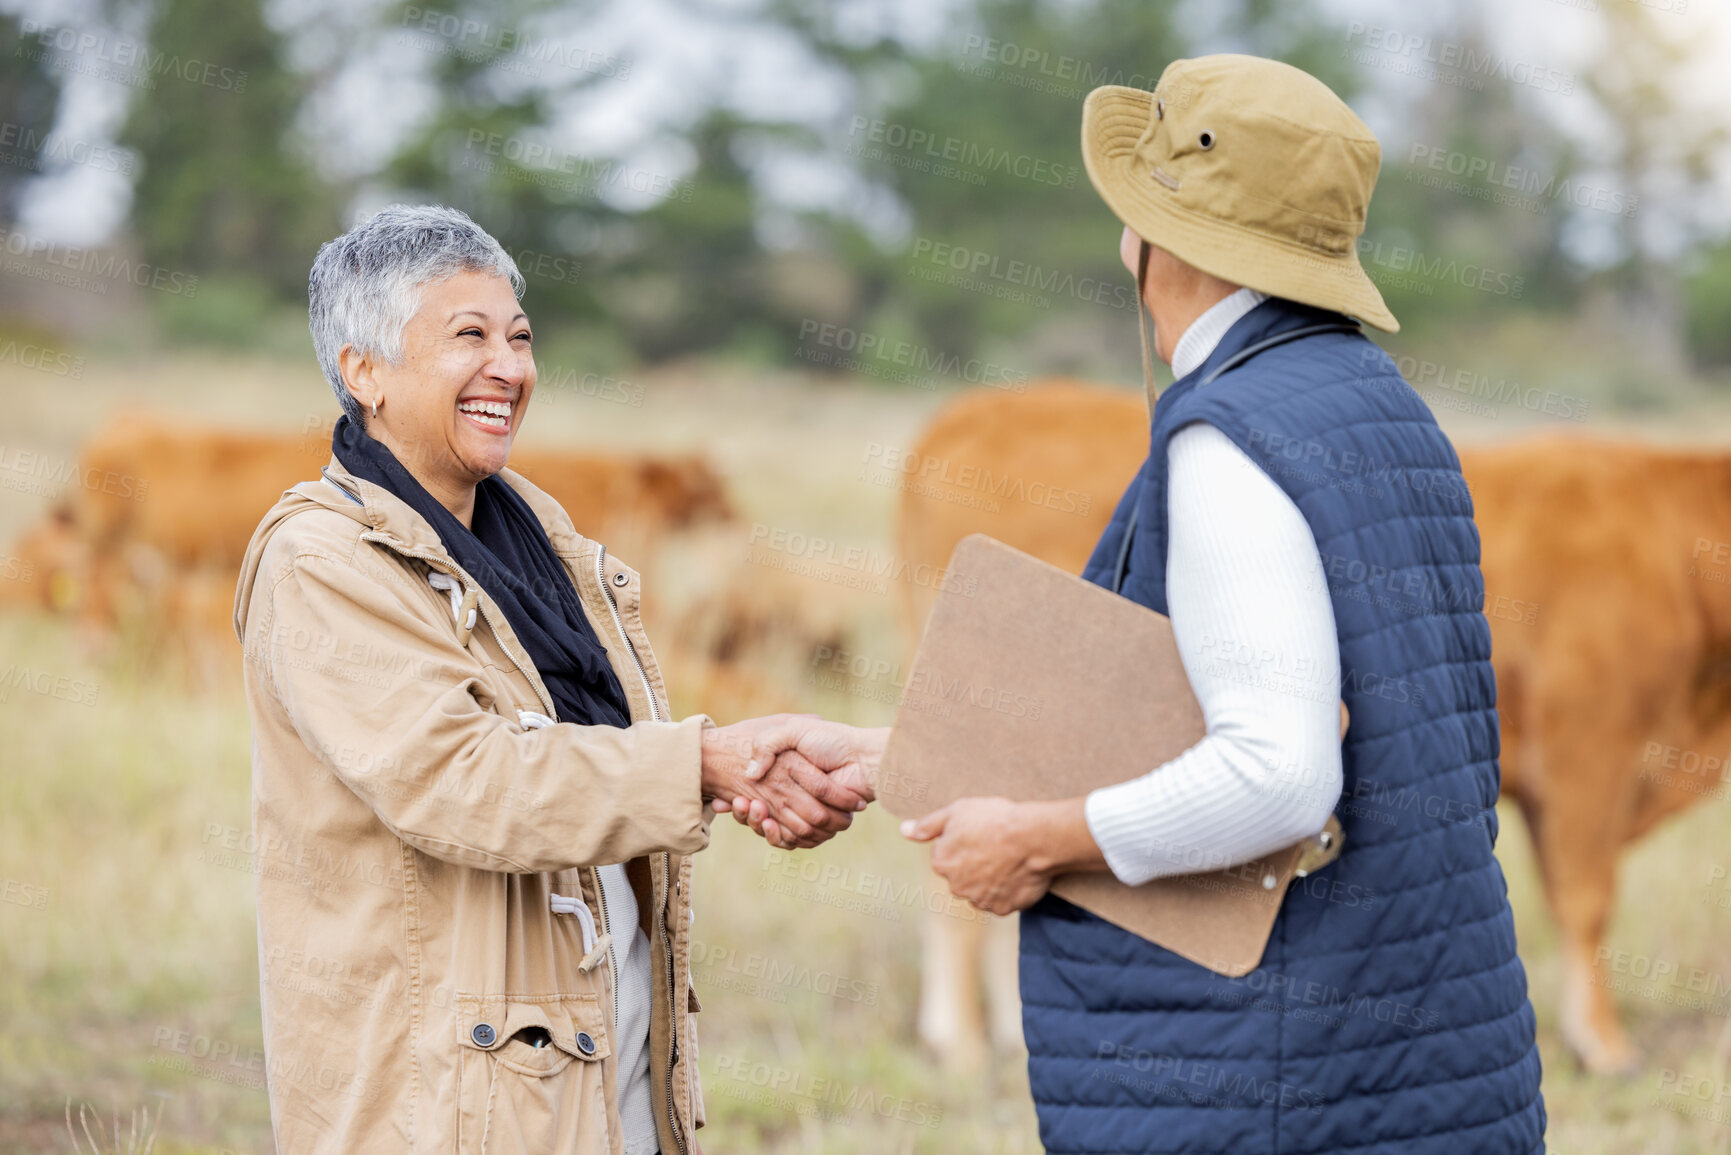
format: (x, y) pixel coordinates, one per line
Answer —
(1255, 630)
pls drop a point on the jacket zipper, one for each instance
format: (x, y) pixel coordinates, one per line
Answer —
(672, 1024)
(607, 929)
(672, 1000)
(667, 859)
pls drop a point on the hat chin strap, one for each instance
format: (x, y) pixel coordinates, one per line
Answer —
(1144, 324)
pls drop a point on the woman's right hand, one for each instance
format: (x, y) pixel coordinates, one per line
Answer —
(849, 755)
(798, 805)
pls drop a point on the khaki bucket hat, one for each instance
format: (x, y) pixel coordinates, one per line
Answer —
(1246, 168)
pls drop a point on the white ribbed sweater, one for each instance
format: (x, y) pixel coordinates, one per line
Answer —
(1255, 629)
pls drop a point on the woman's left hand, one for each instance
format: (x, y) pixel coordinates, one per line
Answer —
(790, 770)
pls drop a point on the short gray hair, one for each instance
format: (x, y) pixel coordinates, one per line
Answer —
(366, 284)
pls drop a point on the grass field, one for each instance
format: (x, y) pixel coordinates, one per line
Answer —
(128, 969)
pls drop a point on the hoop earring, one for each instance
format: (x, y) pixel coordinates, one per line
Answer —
(375, 410)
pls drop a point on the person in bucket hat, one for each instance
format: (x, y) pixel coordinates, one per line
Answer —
(1303, 522)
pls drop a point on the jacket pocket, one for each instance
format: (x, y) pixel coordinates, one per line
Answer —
(517, 1098)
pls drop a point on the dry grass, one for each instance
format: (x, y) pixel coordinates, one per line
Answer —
(127, 946)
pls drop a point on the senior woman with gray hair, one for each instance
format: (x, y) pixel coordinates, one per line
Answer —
(473, 816)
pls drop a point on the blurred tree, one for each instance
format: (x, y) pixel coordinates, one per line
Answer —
(1467, 221)
(995, 182)
(1662, 150)
(488, 149)
(988, 235)
(698, 278)
(29, 101)
(1708, 293)
(686, 272)
(223, 187)
(978, 141)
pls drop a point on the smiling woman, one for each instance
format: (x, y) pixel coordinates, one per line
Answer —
(460, 390)
(465, 779)
(451, 390)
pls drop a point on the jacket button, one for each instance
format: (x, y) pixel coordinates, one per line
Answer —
(621, 578)
(585, 1043)
(483, 1035)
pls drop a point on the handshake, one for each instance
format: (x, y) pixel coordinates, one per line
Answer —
(798, 781)
(795, 779)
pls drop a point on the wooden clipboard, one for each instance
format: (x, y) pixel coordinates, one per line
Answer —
(1032, 684)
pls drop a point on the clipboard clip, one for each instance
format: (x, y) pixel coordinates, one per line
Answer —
(1321, 849)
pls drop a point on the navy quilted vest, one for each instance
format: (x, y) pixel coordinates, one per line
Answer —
(1390, 1011)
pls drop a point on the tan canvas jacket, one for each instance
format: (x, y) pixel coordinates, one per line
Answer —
(425, 843)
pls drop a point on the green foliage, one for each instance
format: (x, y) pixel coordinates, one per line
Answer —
(235, 311)
(687, 273)
(29, 99)
(979, 140)
(970, 142)
(1709, 308)
(487, 150)
(699, 277)
(223, 188)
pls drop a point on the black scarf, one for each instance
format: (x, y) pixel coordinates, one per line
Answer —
(509, 553)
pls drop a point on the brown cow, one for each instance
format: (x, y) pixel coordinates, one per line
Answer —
(1605, 584)
(163, 505)
(159, 498)
(629, 501)
(1608, 589)
(46, 565)
(1040, 470)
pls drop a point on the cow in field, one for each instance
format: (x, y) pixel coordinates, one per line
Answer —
(1040, 470)
(1608, 588)
(160, 499)
(1607, 572)
(628, 500)
(45, 565)
(160, 518)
